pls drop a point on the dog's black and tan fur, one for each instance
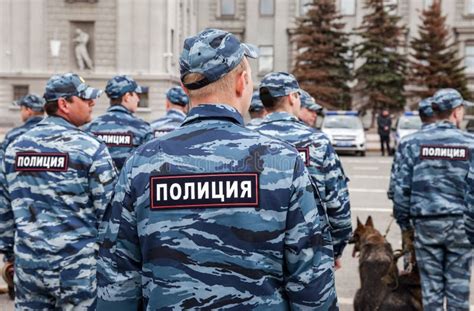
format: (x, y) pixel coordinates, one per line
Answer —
(382, 288)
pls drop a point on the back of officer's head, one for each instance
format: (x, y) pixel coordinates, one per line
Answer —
(448, 104)
(119, 86)
(425, 110)
(276, 88)
(177, 98)
(211, 64)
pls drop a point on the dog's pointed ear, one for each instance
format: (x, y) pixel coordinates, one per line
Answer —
(369, 222)
(359, 223)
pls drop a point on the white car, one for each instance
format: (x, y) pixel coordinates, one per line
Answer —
(408, 123)
(345, 130)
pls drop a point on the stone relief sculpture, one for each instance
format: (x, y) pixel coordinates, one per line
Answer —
(82, 55)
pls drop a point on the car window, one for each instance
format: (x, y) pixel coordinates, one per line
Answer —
(409, 123)
(344, 122)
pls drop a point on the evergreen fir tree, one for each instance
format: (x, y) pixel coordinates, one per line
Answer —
(323, 62)
(434, 63)
(381, 77)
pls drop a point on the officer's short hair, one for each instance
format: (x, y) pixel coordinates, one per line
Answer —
(116, 101)
(224, 84)
(441, 112)
(271, 103)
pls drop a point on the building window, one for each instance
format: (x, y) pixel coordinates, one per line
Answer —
(265, 60)
(144, 97)
(304, 6)
(348, 7)
(470, 6)
(469, 57)
(267, 7)
(391, 6)
(19, 91)
(227, 7)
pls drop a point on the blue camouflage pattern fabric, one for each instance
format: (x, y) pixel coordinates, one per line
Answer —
(121, 131)
(446, 99)
(256, 104)
(56, 182)
(215, 253)
(177, 96)
(280, 84)
(67, 85)
(212, 53)
(17, 131)
(430, 197)
(120, 85)
(168, 123)
(425, 108)
(308, 102)
(32, 101)
(324, 167)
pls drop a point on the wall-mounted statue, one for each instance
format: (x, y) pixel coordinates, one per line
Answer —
(82, 56)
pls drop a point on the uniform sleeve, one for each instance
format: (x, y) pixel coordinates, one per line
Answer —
(393, 172)
(149, 134)
(7, 226)
(102, 178)
(469, 215)
(402, 188)
(309, 279)
(337, 201)
(119, 263)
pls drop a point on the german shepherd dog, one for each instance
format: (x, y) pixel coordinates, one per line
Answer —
(382, 287)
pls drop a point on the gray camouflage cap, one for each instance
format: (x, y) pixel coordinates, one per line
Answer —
(177, 96)
(280, 84)
(67, 85)
(256, 104)
(212, 53)
(446, 99)
(32, 101)
(425, 108)
(120, 85)
(308, 102)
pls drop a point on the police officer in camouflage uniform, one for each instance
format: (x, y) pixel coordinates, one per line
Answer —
(31, 112)
(177, 104)
(120, 130)
(429, 198)
(427, 117)
(279, 92)
(213, 215)
(256, 110)
(309, 109)
(56, 182)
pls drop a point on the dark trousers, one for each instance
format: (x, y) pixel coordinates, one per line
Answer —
(385, 141)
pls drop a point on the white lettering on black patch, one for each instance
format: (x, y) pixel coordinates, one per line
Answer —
(304, 154)
(452, 153)
(41, 161)
(159, 133)
(116, 139)
(204, 191)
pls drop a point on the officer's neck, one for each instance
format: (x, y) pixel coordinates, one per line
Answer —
(216, 99)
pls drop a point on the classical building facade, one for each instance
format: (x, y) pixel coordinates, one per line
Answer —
(143, 38)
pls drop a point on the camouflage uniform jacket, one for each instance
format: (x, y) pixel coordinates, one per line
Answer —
(254, 122)
(56, 184)
(431, 177)
(214, 216)
(397, 159)
(14, 133)
(324, 167)
(121, 131)
(169, 122)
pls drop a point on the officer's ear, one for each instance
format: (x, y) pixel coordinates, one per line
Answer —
(63, 105)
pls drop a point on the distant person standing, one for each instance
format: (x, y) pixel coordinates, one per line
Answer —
(384, 123)
(177, 104)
